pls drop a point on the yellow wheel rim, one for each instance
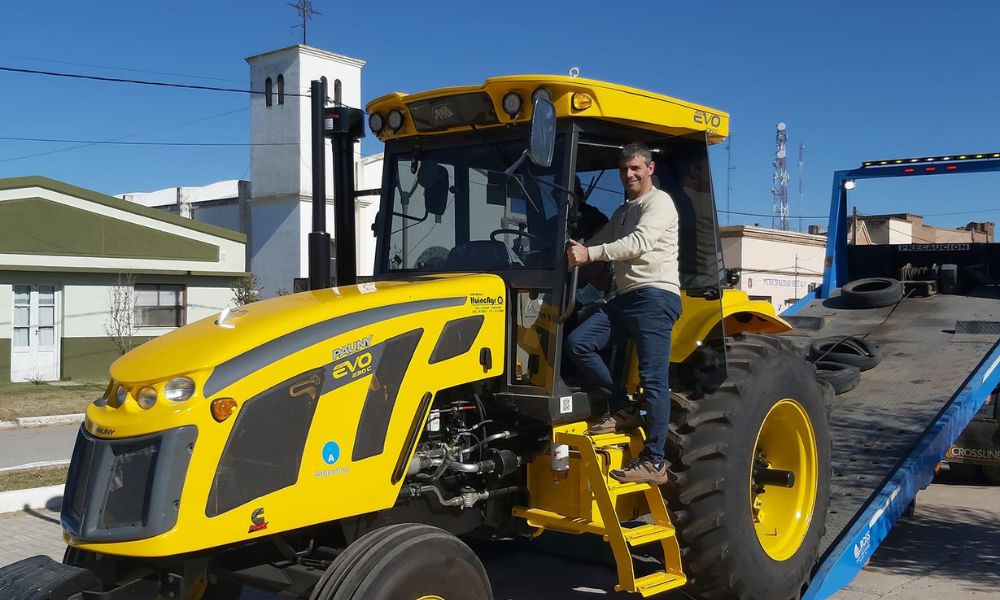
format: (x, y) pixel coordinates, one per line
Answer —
(785, 444)
(430, 598)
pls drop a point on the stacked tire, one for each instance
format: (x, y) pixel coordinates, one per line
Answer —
(839, 360)
(871, 292)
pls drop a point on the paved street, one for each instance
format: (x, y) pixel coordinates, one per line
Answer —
(23, 446)
(950, 549)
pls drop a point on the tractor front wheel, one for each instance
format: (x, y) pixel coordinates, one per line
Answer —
(408, 561)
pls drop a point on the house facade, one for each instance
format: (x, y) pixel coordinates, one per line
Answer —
(76, 266)
(777, 266)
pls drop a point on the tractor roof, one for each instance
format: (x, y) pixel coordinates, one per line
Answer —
(482, 106)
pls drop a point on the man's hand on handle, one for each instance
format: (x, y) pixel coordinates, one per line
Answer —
(576, 253)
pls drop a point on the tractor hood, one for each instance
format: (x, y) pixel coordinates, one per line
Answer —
(264, 331)
(313, 395)
(266, 342)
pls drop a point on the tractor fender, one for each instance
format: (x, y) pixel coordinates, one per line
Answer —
(701, 319)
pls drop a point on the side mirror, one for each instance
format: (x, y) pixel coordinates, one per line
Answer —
(543, 133)
(434, 179)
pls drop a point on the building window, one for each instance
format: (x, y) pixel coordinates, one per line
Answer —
(159, 305)
(281, 89)
(337, 99)
(268, 100)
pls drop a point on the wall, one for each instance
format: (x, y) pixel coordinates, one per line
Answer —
(277, 244)
(275, 169)
(90, 358)
(780, 265)
(899, 232)
(283, 170)
(221, 215)
(369, 176)
(86, 348)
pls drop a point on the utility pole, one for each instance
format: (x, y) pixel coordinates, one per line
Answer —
(305, 10)
(729, 176)
(854, 226)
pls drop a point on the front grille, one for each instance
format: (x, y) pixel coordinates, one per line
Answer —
(128, 489)
(132, 474)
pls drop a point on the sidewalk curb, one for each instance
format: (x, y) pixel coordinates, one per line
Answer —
(44, 497)
(29, 422)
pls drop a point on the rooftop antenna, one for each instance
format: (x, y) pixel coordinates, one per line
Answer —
(802, 176)
(305, 10)
(779, 182)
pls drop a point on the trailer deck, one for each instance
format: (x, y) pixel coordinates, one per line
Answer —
(875, 426)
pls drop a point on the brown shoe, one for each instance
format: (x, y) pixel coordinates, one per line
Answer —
(642, 470)
(622, 420)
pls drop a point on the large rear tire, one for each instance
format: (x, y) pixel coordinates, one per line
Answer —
(405, 562)
(745, 534)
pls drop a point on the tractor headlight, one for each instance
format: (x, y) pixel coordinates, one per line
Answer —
(120, 393)
(376, 123)
(178, 389)
(512, 104)
(395, 120)
(146, 397)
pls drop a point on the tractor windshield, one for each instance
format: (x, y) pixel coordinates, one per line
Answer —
(455, 209)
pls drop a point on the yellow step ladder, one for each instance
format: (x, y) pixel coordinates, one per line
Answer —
(605, 491)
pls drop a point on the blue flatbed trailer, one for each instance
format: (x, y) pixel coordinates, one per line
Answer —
(940, 364)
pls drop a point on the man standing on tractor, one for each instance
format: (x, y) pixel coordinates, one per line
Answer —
(641, 240)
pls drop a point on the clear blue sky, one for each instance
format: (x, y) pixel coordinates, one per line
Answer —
(853, 80)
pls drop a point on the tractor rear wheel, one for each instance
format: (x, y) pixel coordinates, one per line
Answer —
(408, 561)
(753, 465)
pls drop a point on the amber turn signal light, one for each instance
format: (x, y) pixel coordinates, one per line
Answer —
(222, 408)
(582, 101)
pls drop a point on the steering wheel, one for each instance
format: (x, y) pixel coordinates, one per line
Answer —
(519, 233)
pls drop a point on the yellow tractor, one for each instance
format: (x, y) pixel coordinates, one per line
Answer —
(333, 444)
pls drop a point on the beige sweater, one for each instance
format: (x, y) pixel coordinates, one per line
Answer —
(641, 238)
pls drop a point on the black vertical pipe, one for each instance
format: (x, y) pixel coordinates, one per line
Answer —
(343, 206)
(319, 239)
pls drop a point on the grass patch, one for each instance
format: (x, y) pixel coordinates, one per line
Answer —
(41, 399)
(23, 479)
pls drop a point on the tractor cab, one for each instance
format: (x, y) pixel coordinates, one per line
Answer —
(496, 178)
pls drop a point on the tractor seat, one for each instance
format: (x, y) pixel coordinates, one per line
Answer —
(480, 255)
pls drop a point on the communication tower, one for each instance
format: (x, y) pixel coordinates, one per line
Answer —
(779, 182)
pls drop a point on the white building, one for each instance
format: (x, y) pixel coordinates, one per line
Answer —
(274, 209)
(777, 266)
(64, 250)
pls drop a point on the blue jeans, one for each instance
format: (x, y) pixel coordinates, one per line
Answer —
(646, 316)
